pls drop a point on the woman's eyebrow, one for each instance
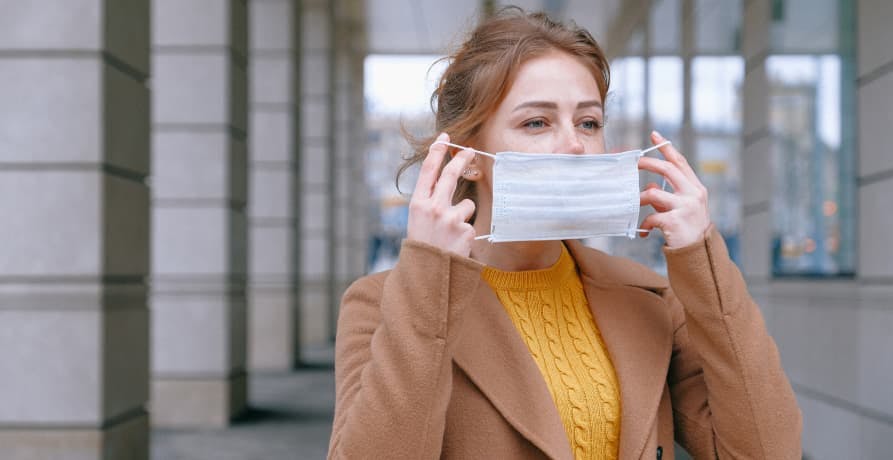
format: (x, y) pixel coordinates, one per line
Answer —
(554, 106)
(593, 103)
(536, 104)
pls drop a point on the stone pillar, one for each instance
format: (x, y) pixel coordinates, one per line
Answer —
(273, 205)
(756, 144)
(875, 116)
(74, 137)
(198, 221)
(361, 201)
(351, 198)
(315, 165)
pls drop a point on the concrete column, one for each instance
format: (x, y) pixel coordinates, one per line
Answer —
(756, 144)
(361, 200)
(350, 199)
(875, 115)
(74, 137)
(273, 205)
(316, 162)
(198, 222)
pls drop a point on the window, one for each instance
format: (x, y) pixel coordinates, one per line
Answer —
(811, 118)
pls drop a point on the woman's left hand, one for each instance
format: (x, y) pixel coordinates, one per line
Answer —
(682, 216)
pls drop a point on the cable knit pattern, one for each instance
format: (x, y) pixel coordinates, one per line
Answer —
(551, 313)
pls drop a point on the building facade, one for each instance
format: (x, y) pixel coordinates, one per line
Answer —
(184, 192)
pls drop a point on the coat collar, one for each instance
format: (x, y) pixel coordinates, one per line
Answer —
(637, 331)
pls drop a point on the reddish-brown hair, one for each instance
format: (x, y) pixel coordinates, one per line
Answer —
(481, 71)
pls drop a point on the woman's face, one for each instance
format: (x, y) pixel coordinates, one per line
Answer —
(553, 106)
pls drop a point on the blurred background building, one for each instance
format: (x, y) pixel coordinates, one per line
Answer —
(188, 186)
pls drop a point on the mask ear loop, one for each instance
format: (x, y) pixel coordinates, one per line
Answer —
(663, 182)
(462, 147)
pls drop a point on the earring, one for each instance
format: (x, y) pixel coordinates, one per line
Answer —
(470, 173)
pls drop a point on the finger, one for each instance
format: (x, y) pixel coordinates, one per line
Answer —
(674, 156)
(656, 220)
(464, 209)
(428, 174)
(670, 171)
(652, 185)
(446, 185)
(660, 200)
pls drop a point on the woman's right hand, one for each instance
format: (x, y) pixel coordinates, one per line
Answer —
(433, 219)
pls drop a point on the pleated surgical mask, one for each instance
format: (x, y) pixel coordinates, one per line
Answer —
(558, 196)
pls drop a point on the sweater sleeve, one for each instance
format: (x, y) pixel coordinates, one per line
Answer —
(393, 355)
(731, 398)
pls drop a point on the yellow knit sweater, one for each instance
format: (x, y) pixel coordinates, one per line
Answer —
(550, 310)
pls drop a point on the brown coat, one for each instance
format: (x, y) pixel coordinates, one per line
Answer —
(429, 365)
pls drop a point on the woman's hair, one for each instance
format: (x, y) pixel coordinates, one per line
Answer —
(481, 71)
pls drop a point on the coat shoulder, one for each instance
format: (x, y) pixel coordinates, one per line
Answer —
(372, 281)
(362, 296)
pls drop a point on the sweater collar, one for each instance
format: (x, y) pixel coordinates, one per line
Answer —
(545, 278)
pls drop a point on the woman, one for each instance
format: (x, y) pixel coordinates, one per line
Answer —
(548, 349)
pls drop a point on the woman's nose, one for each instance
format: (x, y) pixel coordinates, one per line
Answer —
(571, 142)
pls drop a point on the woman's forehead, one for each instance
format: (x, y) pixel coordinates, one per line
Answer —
(554, 77)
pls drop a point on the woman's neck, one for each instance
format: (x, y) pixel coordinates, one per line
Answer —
(515, 256)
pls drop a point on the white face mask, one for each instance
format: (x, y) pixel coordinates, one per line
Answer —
(557, 196)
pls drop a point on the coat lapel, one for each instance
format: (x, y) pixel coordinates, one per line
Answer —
(495, 358)
(638, 332)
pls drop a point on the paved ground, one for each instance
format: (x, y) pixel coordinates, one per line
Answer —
(290, 419)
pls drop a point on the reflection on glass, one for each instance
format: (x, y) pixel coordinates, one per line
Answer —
(636, 45)
(397, 91)
(627, 130)
(811, 97)
(717, 26)
(808, 157)
(665, 97)
(716, 116)
(625, 107)
(805, 26)
(665, 27)
(625, 116)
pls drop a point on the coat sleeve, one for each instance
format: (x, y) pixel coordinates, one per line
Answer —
(731, 398)
(393, 355)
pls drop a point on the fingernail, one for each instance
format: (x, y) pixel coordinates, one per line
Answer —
(657, 135)
(442, 137)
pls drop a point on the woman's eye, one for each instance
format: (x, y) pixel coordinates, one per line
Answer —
(535, 124)
(590, 124)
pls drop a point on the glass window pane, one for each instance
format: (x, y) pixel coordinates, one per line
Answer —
(628, 125)
(716, 117)
(812, 196)
(805, 26)
(716, 100)
(636, 45)
(665, 25)
(625, 107)
(717, 26)
(397, 90)
(665, 96)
